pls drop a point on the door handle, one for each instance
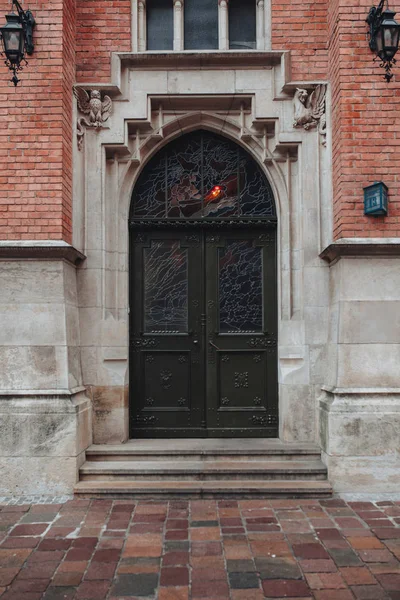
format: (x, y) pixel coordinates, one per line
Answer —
(214, 346)
(195, 342)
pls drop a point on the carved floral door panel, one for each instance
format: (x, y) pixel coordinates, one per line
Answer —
(203, 334)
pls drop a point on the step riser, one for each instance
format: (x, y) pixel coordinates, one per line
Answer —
(91, 457)
(204, 477)
(190, 495)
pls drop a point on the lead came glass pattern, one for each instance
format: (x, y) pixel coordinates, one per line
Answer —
(202, 175)
(183, 171)
(165, 288)
(240, 288)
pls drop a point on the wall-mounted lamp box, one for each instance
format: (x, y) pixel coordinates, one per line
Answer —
(376, 199)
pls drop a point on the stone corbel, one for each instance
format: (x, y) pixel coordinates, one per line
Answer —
(310, 109)
(91, 104)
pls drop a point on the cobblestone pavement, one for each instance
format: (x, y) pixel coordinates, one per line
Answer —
(241, 550)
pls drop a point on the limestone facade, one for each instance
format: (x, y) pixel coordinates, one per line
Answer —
(64, 314)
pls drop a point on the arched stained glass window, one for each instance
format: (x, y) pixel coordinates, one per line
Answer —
(202, 175)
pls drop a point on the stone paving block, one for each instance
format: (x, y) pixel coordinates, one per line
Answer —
(325, 581)
(345, 558)
(67, 579)
(24, 530)
(40, 570)
(390, 581)
(174, 576)
(310, 551)
(7, 575)
(318, 566)
(59, 593)
(135, 585)
(278, 568)
(175, 558)
(357, 576)
(368, 592)
(280, 588)
(173, 593)
(333, 595)
(376, 556)
(210, 589)
(240, 566)
(243, 580)
(92, 590)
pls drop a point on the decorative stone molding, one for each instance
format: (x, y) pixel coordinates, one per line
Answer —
(91, 104)
(361, 247)
(310, 109)
(40, 250)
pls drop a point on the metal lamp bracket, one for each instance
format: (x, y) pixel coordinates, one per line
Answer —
(28, 22)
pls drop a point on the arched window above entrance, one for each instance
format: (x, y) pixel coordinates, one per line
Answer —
(202, 175)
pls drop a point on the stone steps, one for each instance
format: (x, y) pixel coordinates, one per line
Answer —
(216, 470)
(204, 469)
(204, 489)
(210, 449)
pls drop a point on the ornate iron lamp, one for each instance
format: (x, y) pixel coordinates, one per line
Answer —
(384, 35)
(17, 38)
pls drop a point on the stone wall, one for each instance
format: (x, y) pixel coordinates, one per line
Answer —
(45, 413)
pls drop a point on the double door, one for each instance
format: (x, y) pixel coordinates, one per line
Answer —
(203, 334)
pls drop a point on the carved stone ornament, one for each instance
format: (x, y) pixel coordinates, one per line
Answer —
(310, 109)
(90, 103)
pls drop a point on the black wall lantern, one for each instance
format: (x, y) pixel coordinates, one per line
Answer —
(384, 34)
(17, 38)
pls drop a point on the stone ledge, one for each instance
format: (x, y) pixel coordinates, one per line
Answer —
(212, 59)
(355, 247)
(40, 250)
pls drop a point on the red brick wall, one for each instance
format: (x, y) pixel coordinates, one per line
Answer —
(103, 26)
(301, 26)
(35, 130)
(366, 124)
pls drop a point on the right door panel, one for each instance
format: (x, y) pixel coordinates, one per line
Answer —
(242, 387)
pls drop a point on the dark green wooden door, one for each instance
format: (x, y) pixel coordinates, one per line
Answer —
(203, 334)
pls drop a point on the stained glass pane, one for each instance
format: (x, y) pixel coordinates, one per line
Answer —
(220, 177)
(184, 168)
(150, 190)
(240, 288)
(202, 175)
(242, 24)
(165, 288)
(256, 197)
(201, 24)
(160, 25)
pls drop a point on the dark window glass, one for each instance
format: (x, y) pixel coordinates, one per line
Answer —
(242, 24)
(160, 25)
(201, 24)
(202, 175)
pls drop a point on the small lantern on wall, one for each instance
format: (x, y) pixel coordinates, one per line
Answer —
(17, 38)
(384, 36)
(376, 199)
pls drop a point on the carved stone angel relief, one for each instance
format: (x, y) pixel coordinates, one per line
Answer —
(310, 109)
(92, 105)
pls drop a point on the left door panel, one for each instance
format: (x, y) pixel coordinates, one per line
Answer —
(166, 337)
